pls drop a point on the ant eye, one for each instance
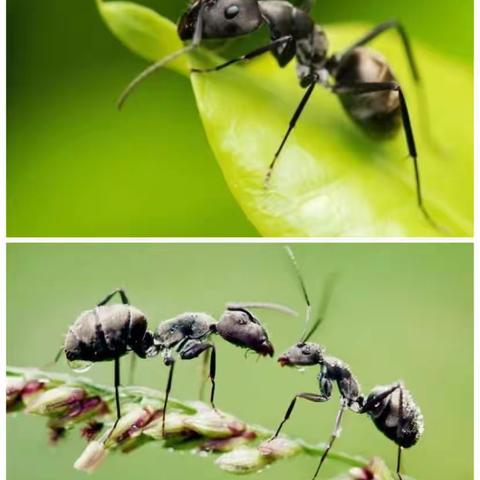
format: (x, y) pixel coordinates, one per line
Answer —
(242, 321)
(306, 350)
(231, 12)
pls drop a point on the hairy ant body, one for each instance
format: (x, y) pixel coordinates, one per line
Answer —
(108, 332)
(188, 336)
(390, 407)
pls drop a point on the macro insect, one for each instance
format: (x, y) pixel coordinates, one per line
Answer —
(362, 79)
(107, 333)
(332, 370)
(391, 407)
(394, 412)
(188, 335)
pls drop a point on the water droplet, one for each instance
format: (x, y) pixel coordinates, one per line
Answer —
(80, 366)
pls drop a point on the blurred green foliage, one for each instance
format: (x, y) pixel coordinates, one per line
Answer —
(399, 312)
(76, 167)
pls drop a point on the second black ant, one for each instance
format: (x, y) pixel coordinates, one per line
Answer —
(390, 407)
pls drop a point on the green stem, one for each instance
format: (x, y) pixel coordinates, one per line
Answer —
(145, 396)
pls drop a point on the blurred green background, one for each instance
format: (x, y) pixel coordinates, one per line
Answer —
(77, 167)
(399, 312)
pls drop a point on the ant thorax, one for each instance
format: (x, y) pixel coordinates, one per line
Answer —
(184, 326)
(311, 55)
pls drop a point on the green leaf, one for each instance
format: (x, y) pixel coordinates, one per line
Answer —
(331, 180)
(143, 31)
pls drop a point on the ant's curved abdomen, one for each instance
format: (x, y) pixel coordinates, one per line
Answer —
(377, 113)
(106, 333)
(394, 413)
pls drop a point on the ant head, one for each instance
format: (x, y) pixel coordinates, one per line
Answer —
(221, 18)
(302, 354)
(241, 328)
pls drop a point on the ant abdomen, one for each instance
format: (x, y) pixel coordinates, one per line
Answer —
(106, 333)
(395, 414)
(377, 113)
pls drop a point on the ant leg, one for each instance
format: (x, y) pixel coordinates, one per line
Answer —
(167, 394)
(312, 397)
(205, 362)
(399, 427)
(291, 126)
(248, 56)
(196, 40)
(378, 30)
(334, 436)
(122, 294)
(117, 396)
(212, 374)
(193, 349)
(399, 458)
(370, 87)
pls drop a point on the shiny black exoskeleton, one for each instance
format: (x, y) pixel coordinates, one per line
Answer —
(390, 407)
(395, 414)
(106, 333)
(361, 78)
(188, 336)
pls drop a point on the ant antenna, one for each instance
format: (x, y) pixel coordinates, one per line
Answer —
(308, 311)
(324, 304)
(265, 305)
(197, 38)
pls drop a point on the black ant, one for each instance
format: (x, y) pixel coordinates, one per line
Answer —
(391, 407)
(361, 78)
(187, 335)
(108, 332)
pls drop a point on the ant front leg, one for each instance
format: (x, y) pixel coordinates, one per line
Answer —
(248, 56)
(371, 87)
(312, 397)
(120, 292)
(193, 349)
(399, 427)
